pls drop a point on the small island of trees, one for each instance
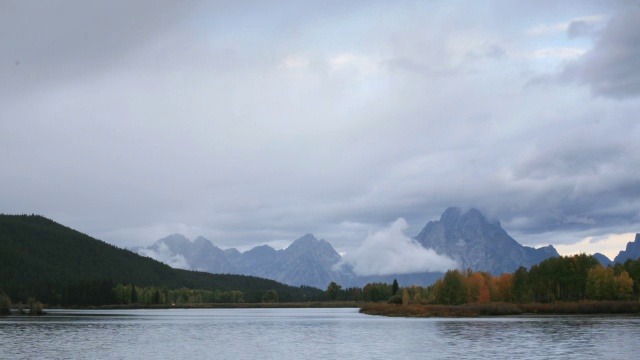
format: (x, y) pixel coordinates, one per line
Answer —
(565, 284)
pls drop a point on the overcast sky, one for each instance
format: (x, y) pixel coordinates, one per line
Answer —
(256, 122)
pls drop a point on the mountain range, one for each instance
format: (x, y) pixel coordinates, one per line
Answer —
(307, 261)
(632, 252)
(467, 237)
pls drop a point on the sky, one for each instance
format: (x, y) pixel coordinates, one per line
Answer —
(252, 122)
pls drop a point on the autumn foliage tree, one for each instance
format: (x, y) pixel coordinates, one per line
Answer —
(504, 285)
(451, 289)
(603, 284)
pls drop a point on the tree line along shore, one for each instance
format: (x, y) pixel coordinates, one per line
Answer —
(576, 284)
(564, 285)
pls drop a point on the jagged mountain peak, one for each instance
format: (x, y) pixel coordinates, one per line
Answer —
(304, 242)
(455, 217)
(201, 239)
(308, 244)
(306, 238)
(259, 252)
(201, 244)
(451, 215)
(632, 251)
(477, 243)
(175, 239)
(177, 243)
(262, 248)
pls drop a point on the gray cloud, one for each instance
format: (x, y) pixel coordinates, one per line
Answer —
(581, 28)
(610, 69)
(45, 43)
(163, 254)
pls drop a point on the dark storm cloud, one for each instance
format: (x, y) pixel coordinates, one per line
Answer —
(581, 181)
(610, 69)
(581, 28)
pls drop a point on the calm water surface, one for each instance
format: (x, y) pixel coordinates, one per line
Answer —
(310, 334)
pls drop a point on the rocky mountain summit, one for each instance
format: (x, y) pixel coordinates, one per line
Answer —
(631, 252)
(477, 243)
(307, 261)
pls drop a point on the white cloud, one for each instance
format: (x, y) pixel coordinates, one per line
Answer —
(562, 27)
(296, 62)
(558, 53)
(390, 251)
(163, 254)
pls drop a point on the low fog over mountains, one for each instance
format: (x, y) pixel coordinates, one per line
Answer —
(458, 240)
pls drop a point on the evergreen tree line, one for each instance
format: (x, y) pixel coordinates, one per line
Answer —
(371, 292)
(150, 295)
(104, 292)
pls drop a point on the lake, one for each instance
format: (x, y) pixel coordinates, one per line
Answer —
(311, 334)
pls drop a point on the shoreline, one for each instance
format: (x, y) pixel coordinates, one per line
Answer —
(503, 309)
(315, 304)
(490, 309)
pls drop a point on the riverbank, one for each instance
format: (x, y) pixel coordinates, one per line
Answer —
(416, 310)
(315, 304)
(502, 309)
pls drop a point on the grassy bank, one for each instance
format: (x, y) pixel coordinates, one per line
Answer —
(502, 309)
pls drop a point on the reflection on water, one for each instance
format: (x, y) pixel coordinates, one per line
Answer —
(309, 333)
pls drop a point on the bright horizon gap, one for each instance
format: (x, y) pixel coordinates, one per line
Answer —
(609, 246)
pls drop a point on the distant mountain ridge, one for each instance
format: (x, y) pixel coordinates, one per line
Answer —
(632, 251)
(603, 259)
(307, 261)
(469, 238)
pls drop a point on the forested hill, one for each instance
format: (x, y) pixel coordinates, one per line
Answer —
(43, 259)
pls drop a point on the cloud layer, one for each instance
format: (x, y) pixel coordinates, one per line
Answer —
(164, 254)
(609, 68)
(252, 123)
